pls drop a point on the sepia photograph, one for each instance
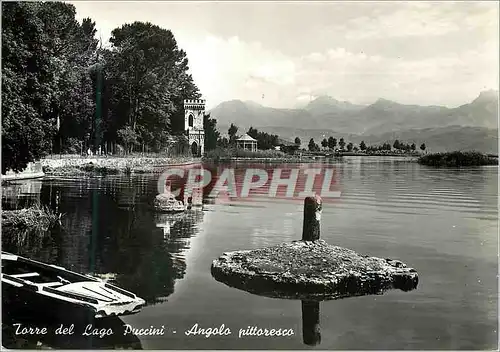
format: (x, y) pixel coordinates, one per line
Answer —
(250, 175)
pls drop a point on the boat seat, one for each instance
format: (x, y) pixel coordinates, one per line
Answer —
(25, 275)
(50, 284)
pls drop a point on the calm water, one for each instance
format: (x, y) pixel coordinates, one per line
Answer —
(443, 223)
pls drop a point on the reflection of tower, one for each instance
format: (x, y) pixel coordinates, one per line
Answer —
(194, 110)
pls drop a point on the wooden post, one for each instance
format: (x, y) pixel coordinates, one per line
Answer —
(312, 218)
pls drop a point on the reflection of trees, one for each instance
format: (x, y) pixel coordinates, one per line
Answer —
(122, 239)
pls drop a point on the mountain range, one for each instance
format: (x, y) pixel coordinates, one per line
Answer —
(469, 126)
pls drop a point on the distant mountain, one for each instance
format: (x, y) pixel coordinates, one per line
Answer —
(382, 119)
(325, 104)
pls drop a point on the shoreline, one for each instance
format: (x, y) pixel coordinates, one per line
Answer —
(111, 165)
(75, 165)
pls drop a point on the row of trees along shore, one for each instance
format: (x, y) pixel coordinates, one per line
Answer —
(331, 144)
(63, 92)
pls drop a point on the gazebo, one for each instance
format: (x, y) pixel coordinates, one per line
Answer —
(246, 142)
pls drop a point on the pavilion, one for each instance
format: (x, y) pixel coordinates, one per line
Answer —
(246, 142)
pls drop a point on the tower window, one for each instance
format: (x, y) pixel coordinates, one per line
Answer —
(191, 120)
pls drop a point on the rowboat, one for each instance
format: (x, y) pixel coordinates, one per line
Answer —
(30, 288)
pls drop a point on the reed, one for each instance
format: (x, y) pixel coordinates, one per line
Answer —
(21, 227)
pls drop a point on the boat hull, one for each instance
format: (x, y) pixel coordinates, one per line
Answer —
(31, 288)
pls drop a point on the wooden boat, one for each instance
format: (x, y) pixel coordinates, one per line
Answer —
(31, 288)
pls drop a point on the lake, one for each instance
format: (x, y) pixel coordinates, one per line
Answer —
(442, 222)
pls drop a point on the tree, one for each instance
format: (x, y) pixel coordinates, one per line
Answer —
(332, 143)
(312, 145)
(397, 144)
(223, 142)
(324, 143)
(297, 141)
(128, 137)
(252, 132)
(349, 147)
(422, 146)
(413, 147)
(233, 129)
(342, 143)
(149, 78)
(45, 82)
(362, 145)
(211, 133)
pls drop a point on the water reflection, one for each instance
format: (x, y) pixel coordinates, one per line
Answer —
(109, 227)
(311, 332)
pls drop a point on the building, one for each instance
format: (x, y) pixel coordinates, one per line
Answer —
(246, 142)
(194, 111)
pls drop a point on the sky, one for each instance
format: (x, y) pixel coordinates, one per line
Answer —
(284, 54)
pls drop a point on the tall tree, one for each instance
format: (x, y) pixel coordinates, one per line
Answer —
(252, 132)
(297, 141)
(362, 145)
(422, 147)
(341, 143)
(349, 147)
(233, 129)
(211, 133)
(312, 145)
(150, 80)
(324, 143)
(45, 86)
(332, 142)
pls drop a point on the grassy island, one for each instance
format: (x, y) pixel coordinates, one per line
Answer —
(457, 159)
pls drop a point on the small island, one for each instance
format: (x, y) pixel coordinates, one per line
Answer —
(458, 159)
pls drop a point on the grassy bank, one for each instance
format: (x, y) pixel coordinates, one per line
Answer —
(25, 227)
(457, 159)
(77, 165)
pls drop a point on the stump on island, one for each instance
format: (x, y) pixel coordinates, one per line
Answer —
(311, 269)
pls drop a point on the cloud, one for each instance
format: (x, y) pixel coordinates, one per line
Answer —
(229, 68)
(447, 79)
(413, 52)
(420, 19)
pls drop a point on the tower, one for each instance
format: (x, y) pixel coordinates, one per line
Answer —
(194, 110)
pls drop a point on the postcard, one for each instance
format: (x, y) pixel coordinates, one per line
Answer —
(237, 175)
